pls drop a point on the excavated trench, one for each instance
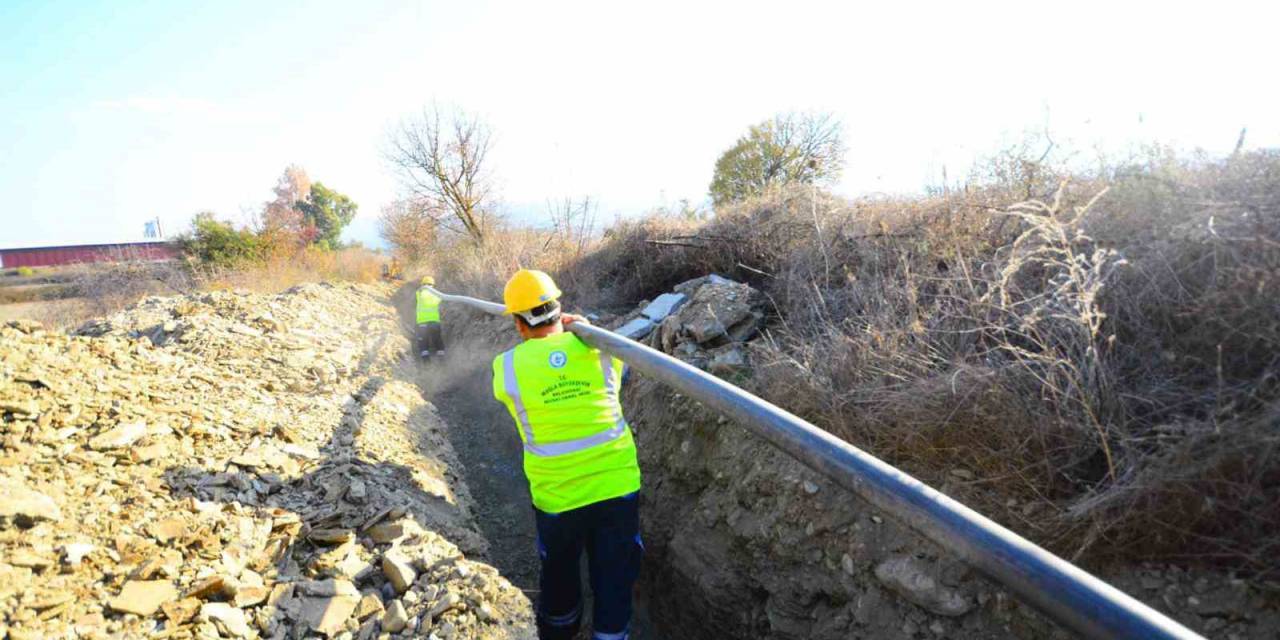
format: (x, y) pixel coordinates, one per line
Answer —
(744, 542)
(196, 412)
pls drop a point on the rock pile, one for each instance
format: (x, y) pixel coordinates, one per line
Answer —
(705, 322)
(232, 465)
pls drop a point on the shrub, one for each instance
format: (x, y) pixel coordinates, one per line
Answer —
(309, 264)
(215, 243)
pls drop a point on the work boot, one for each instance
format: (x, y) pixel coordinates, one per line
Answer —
(549, 632)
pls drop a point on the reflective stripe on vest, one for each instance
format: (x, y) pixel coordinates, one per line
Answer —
(568, 446)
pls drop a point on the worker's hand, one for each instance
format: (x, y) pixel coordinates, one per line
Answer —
(570, 318)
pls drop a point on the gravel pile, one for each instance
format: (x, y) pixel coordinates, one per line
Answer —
(230, 465)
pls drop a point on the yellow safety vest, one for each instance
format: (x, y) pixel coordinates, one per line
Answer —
(564, 398)
(428, 306)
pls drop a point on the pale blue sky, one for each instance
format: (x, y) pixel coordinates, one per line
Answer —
(112, 113)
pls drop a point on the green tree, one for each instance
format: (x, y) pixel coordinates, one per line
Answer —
(328, 212)
(789, 147)
(216, 242)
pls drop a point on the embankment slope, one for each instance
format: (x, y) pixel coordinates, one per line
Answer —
(235, 465)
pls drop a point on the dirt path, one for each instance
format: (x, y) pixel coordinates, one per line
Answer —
(490, 451)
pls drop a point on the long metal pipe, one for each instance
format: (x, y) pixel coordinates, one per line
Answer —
(1064, 592)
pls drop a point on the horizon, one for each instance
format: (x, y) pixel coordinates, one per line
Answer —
(114, 115)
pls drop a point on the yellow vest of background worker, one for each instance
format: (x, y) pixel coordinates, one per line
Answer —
(564, 396)
(428, 306)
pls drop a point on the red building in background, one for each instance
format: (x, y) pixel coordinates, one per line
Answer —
(74, 254)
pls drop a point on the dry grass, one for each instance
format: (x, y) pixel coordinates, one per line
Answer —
(279, 272)
(482, 270)
(1103, 356)
(96, 290)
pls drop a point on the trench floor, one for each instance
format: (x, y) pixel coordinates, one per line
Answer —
(483, 436)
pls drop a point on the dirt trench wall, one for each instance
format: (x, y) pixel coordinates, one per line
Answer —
(743, 542)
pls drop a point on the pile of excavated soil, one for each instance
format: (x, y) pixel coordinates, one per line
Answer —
(229, 465)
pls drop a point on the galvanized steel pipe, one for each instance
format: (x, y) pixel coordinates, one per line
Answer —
(1061, 590)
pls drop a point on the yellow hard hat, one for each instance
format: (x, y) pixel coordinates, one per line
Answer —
(528, 289)
(428, 280)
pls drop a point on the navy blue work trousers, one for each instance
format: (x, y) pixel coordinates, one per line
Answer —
(609, 532)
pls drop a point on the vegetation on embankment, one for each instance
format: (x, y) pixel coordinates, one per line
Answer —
(1093, 357)
(293, 239)
(89, 291)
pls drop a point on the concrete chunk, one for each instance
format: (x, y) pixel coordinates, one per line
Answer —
(663, 306)
(636, 329)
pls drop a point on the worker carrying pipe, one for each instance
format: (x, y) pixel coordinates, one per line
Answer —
(430, 335)
(580, 460)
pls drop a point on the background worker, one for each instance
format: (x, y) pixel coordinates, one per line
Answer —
(579, 457)
(429, 334)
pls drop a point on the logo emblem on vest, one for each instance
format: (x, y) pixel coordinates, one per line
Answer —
(558, 359)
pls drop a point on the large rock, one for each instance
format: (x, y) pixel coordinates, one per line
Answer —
(24, 506)
(231, 622)
(688, 287)
(398, 572)
(370, 604)
(119, 437)
(327, 615)
(396, 618)
(727, 359)
(914, 580)
(390, 532)
(716, 308)
(330, 587)
(143, 597)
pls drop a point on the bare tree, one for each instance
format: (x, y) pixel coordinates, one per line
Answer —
(575, 221)
(441, 161)
(410, 228)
